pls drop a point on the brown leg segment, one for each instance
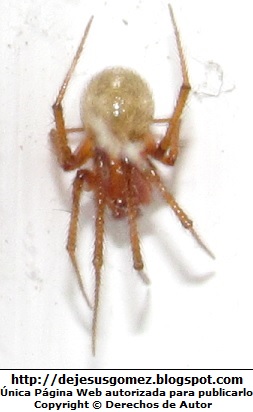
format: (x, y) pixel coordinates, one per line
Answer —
(79, 181)
(171, 138)
(75, 130)
(59, 136)
(163, 120)
(132, 217)
(98, 252)
(186, 222)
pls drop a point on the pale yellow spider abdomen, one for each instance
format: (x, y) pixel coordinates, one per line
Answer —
(118, 105)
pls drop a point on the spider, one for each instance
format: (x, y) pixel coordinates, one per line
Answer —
(117, 112)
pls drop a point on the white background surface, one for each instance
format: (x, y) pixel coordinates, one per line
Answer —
(197, 313)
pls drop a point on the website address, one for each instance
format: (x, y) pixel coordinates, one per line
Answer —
(158, 379)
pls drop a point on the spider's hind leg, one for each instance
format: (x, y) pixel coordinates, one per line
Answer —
(100, 201)
(187, 223)
(132, 217)
(82, 177)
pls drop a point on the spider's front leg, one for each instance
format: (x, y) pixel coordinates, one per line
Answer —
(59, 138)
(168, 148)
(67, 159)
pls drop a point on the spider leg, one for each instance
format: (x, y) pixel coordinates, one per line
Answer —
(154, 177)
(132, 220)
(98, 251)
(75, 130)
(73, 65)
(162, 120)
(59, 136)
(171, 139)
(82, 176)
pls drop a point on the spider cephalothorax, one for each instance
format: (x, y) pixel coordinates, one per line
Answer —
(117, 112)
